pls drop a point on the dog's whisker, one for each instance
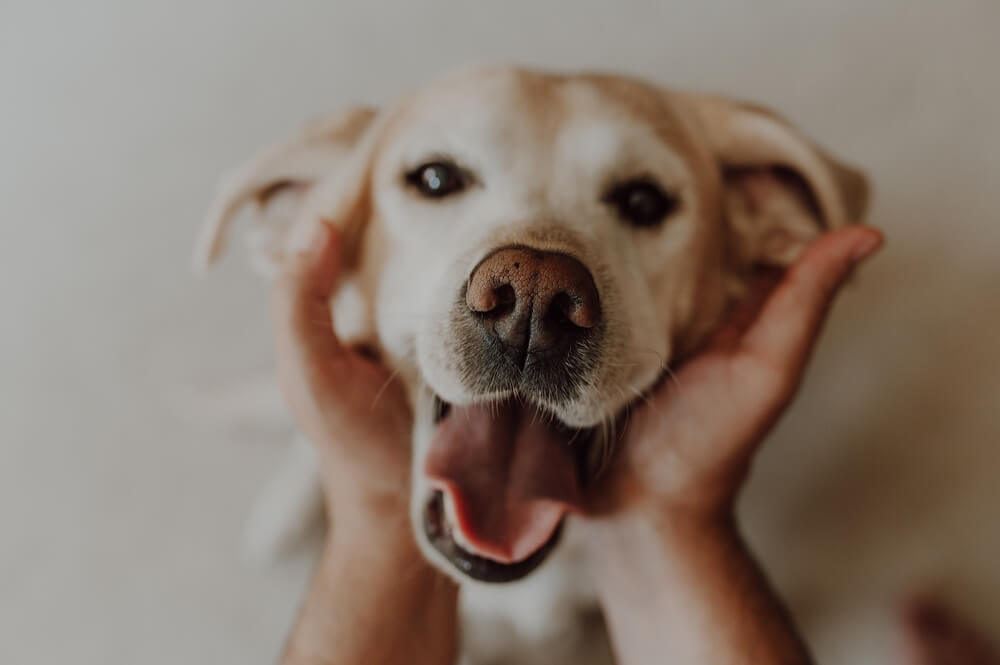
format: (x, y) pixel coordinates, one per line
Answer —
(652, 352)
(384, 387)
(624, 365)
(640, 394)
(672, 376)
(606, 446)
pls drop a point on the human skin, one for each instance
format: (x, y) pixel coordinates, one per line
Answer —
(373, 597)
(675, 576)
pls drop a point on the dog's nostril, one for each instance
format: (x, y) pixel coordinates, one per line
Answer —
(506, 300)
(495, 304)
(560, 314)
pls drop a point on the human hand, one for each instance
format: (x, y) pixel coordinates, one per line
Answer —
(349, 406)
(690, 445)
(371, 573)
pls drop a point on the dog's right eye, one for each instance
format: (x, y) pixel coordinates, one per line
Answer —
(642, 202)
(436, 180)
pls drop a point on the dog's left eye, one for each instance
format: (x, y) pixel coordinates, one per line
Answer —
(436, 179)
(642, 202)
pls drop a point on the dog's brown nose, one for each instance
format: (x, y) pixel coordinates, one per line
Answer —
(532, 300)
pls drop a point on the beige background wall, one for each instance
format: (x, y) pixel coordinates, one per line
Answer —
(120, 510)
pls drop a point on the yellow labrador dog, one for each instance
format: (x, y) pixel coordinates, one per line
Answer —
(530, 252)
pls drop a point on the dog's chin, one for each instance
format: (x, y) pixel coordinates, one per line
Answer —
(444, 519)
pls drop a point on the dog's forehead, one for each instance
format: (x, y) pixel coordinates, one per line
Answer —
(579, 116)
(499, 110)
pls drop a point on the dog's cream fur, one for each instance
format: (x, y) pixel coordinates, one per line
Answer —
(544, 148)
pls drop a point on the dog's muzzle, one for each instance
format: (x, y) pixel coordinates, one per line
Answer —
(505, 471)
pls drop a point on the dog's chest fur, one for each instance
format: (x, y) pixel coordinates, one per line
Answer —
(550, 618)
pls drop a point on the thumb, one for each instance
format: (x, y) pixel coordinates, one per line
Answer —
(790, 321)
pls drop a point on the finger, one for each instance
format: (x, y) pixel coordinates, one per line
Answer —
(315, 267)
(745, 312)
(790, 320)
(301, 303)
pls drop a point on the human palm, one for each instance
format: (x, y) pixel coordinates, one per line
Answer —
(690, 443)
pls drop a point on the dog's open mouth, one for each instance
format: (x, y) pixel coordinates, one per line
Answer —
(440, 533)
(505, 475)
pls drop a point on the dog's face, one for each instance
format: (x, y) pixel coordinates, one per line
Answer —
(530, 252)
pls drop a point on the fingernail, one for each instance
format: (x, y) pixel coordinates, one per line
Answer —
(866, 247)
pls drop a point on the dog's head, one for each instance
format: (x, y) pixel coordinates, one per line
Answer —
(530, 251)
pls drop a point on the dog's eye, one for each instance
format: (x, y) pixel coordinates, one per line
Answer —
(641, 202)
(436, 179)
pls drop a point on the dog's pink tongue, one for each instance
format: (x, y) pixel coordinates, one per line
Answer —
(509, 477)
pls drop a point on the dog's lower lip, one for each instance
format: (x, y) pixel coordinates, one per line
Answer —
(479, 568)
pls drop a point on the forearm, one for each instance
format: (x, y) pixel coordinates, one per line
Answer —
(377, 603)
(689, 589)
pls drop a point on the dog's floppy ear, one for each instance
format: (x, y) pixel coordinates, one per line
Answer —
(780, 189)
(281, 181)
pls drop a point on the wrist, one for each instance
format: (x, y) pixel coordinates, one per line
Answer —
(373, 576)
(375, 559)
(370, 527)
(661, 534)
(358, 499)
(668, 512)
(677, 522)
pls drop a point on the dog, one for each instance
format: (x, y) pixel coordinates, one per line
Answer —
(528, 252)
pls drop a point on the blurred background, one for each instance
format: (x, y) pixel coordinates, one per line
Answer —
(122, 499)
